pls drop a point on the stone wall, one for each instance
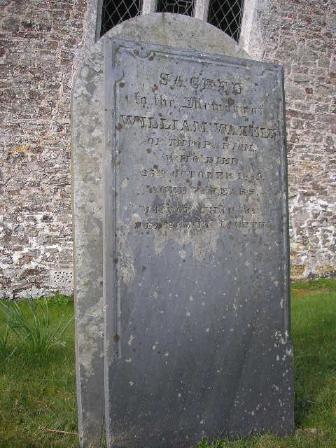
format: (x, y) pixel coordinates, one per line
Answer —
(41, 42)
(301, 35)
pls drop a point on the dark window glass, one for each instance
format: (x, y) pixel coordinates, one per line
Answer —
(226, 15)
(116, 11)
(185, 7)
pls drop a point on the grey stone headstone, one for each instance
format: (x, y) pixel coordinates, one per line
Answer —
(88, 145)
(92, 129)
(195, 248)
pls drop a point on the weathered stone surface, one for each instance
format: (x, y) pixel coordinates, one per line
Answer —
(40, 49)
(301, 36)
(38, 46)
(196, 248)
(87, 144)
(88, 147)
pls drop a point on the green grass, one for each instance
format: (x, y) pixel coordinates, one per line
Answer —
(37, 385)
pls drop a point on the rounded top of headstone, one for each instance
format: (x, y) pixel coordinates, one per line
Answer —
(179, 31)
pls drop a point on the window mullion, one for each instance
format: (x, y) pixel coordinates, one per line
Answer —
(201, 9)
(149, 6)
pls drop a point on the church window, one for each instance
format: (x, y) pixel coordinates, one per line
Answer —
(116, 11)
(176, 6)
(224, 14)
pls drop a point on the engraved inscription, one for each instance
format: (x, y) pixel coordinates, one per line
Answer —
(200, 141)
(199, 82)
(178, 125)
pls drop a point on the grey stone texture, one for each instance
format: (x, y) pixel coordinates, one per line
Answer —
(88, 142)
(300, 35)
(195, 247)
(87, 145)
(40, 48)
(39, 44)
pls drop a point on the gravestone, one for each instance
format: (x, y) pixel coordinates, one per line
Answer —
(180, 145)
(195, 241)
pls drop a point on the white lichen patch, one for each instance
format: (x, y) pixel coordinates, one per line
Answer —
(90, 330)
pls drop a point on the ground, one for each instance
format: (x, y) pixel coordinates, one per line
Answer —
(37, 377)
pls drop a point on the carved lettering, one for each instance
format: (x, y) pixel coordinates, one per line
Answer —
(201, 83)
(200, 145)
(197, 126)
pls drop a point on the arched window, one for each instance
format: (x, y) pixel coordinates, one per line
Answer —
(224, 14)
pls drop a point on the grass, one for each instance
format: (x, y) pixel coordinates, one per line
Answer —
(31, 325)
(37, 378)
(37, 384)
